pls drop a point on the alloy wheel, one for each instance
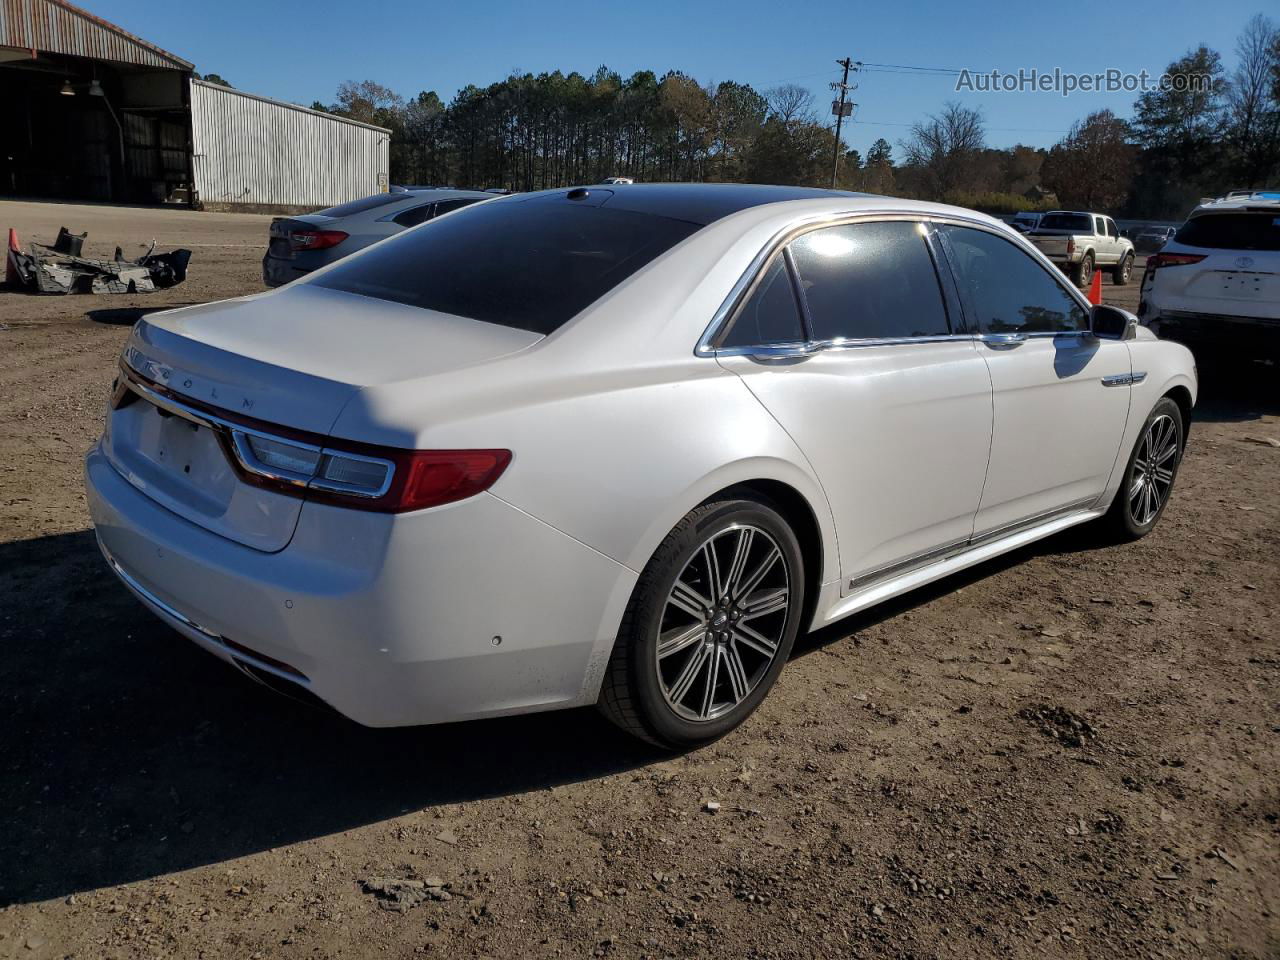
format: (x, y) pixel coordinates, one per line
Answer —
(723, 621)
(1153, 469)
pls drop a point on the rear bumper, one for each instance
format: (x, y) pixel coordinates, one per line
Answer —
(391, 620)
(277, 272)
(1210, 331)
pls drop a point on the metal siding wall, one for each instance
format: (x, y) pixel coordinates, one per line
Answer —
(43, 25)
(249, 150)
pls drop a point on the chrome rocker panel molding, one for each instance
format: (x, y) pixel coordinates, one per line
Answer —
(911, 573)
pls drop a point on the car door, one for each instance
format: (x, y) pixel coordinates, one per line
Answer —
(1060, 396)
(851, 339)
(1104, 243)
(1115, 240)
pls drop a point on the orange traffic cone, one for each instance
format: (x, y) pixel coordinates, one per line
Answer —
(1095, 288)
(11, 275)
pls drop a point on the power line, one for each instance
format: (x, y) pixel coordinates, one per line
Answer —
(890, 123)
(887, 67)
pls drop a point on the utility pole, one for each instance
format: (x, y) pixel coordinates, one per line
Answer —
(841, 109)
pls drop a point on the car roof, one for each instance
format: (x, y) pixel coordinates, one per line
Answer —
(1261, 202)
(699, 203)
(443, 192)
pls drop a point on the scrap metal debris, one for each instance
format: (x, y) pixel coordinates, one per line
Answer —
(61, 269)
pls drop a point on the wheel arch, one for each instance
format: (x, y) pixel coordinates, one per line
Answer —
(1181, 395)
(802, 519)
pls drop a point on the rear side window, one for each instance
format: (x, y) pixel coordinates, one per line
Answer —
(1005, 290)
(361, 205)
(529, 264)
(870, 281)
(1232, 231)
(445, 206)
(414, 215)
(1067, 221)
(770, 315)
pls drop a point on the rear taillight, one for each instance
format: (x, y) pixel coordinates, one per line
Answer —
(299, 463)
(384, 479)
(315, 239)
(1071, 245)
(429, 478)
(1159, 260)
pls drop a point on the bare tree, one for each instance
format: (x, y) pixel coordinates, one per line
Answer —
(1252, 108)
(365, 100)
(790, 102)
(944, 148)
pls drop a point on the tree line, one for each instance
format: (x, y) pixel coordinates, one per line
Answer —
(538, 131)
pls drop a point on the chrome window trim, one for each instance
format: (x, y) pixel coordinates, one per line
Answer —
(763, 259)
(737, 294)
(239, 445)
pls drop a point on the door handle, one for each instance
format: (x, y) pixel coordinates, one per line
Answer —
(1003, 339)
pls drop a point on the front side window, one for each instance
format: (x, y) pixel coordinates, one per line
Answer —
(1005, 290)
(770, 314)
(531, 263)
(870, 281)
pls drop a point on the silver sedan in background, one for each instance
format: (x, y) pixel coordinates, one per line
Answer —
(299, 245)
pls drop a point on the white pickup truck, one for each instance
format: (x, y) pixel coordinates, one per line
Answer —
(1078, 243)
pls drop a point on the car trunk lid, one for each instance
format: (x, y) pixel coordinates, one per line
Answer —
(289, 360)
(280, 233)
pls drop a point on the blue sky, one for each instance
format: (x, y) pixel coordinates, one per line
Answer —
(301, 51)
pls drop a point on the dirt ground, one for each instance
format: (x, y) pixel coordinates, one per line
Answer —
(1071, 752)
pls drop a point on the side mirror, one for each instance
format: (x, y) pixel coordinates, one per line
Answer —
(1112, 323)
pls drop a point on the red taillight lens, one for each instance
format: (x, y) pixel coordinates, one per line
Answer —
(1173, 260)
(429, 478)
(1071, 245)
(315, 239)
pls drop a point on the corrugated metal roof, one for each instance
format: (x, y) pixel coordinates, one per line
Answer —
(289, 106)
(55, 26)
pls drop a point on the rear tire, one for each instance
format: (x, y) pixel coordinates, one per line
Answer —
(688, 666)
(1148, 475)
(1121, 272)
(1082, 273)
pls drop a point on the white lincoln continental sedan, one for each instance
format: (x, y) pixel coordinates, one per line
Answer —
(617, 446)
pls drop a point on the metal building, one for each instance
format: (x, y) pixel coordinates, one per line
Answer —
(93, 112)
(250, 152)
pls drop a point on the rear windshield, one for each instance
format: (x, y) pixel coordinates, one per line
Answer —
(1067, 221)
(1232, 231)
(527, 264)
(361, 205)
